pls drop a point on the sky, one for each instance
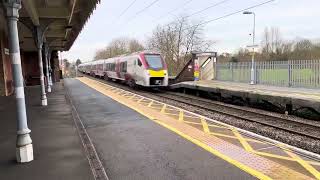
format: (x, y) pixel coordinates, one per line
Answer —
(294, 18)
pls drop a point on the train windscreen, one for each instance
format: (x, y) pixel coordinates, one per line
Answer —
(154, 61)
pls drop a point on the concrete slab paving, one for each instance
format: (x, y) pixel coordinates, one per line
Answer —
(245, 157)
(131, 146)
(58, 151)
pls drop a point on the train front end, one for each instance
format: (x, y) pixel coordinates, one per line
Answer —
(156, 70)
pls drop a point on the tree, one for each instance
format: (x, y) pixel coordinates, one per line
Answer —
(176, 40)
(66, 63)
(275, 48)
(135, 46)
(272, 44)
(78, 62)
(118, 47)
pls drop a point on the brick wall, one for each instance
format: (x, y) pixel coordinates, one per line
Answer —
(2, 84)
(6, 80)
(31, 68)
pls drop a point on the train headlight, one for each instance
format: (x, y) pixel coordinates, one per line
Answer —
(165, 72)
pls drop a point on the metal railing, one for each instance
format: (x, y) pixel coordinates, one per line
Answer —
(292, 73)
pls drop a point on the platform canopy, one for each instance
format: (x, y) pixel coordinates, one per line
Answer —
(64, 19)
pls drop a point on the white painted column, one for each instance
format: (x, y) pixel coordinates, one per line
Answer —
(24, 148)
(39, 43)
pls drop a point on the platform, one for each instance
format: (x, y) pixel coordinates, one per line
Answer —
(291, 99)
(173, 143)
(58, 151)
(131, 146)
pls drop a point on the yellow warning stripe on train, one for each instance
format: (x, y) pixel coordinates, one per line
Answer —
(160, 73)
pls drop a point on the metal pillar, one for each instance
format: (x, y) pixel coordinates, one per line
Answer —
(24, 148)
(46, 51)
(39, 43)
(253, 71)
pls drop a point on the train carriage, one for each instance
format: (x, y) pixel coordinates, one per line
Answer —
(146, 69)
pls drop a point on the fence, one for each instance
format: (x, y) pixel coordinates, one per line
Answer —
(297, 73)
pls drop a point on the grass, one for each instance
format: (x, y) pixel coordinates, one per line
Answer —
(300, 77)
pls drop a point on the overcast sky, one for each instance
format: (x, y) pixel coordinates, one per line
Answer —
(294, 18)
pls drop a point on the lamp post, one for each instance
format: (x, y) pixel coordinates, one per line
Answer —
(253, 77)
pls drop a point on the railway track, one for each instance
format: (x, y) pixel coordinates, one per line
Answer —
(308, 129)
(295, 131)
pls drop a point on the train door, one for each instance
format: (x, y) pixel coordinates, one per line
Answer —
(139, 72)
(123, 70)
(117, 68)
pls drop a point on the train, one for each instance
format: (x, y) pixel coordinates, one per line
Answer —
(146, 69)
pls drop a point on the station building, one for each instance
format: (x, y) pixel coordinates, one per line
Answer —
(32, 32)
(59, 22)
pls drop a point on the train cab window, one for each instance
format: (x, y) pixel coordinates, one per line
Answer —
(154, 61)
(139, 62)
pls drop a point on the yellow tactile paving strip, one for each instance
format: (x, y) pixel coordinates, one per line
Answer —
(221, 140)
(260, 89)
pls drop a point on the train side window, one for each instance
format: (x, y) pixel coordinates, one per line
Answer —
(124, 67)
(139, 62)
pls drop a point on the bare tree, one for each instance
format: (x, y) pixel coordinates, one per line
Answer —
(118, 47)
(176, 40)
(78, 62)
(134, 46)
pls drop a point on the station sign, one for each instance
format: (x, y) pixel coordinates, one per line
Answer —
(253, 47)
(211, 54)
(196, 73)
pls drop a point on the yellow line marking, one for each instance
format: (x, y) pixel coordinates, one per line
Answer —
(163, 110)
(205, 126)
(283, 157)
(157, 108)
(172, 114)
(181, 116)
(242, 140)
(119, 92)
(238, 136)
(233, 137)
(140, 99)
(273, 155)
(150, 104)
(132, 96)
(195, 141)
(217, 126)
(190, 122)
(306, 165)
(245, 168)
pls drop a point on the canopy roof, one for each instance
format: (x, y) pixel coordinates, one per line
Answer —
(65, 19)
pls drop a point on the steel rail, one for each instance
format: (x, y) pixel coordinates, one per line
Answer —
(204, 106)
(299, 128)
